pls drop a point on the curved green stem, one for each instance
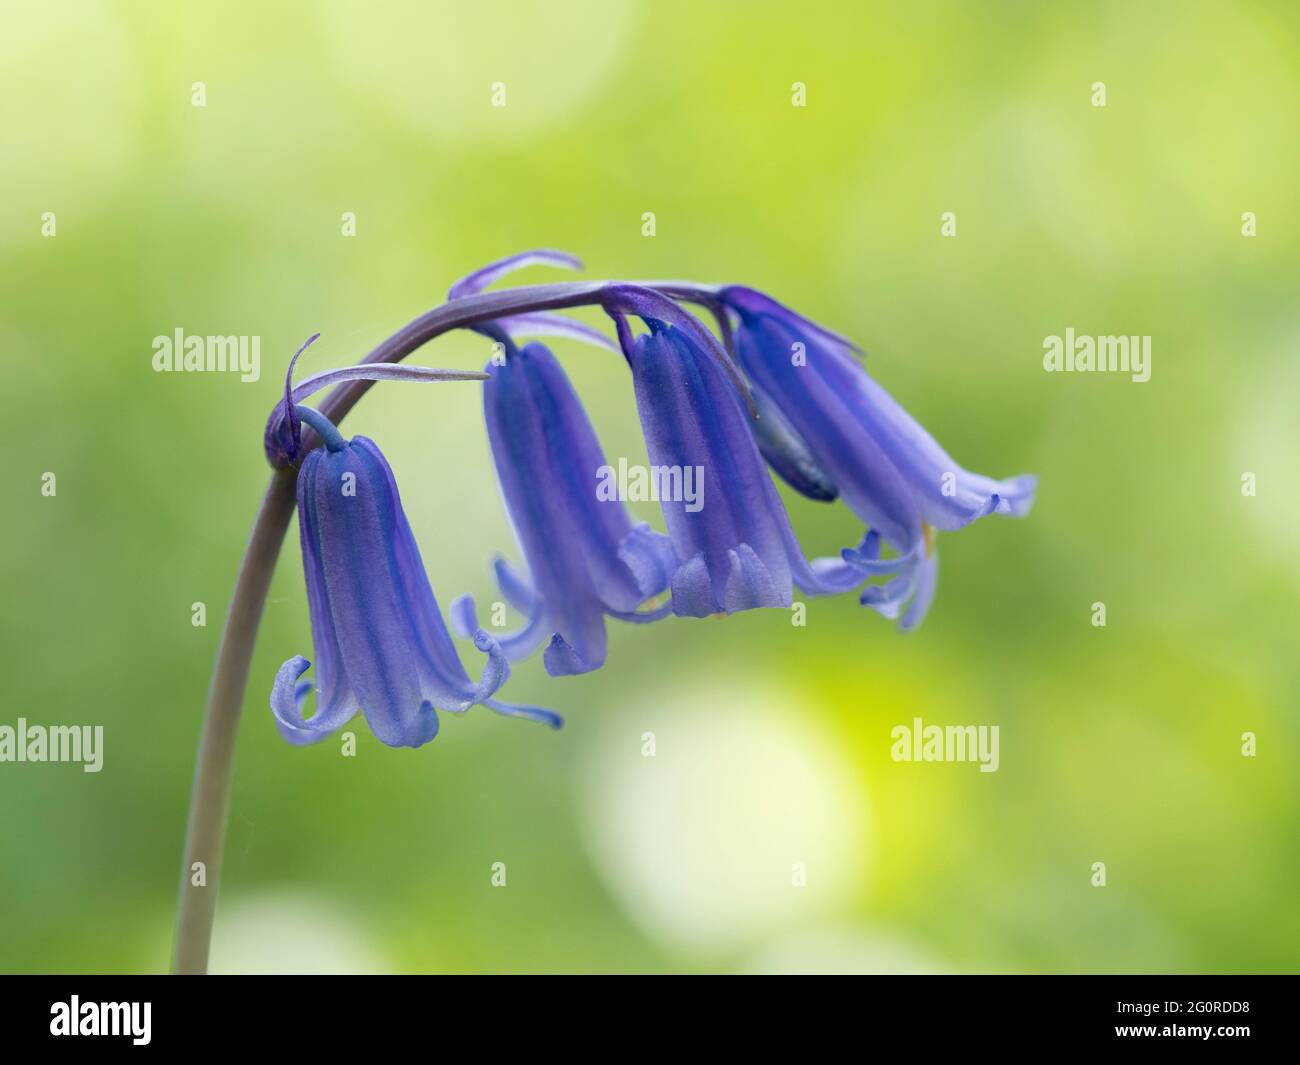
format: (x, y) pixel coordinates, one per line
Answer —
(205, 834)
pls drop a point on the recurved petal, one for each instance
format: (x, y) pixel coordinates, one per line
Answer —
(887, 599)
(494, 675)
(913, 586)
(831, 576)
(518, 592)
(496, 670)
(866, 557)
(532, 713)
(288, 697)
(517, 645)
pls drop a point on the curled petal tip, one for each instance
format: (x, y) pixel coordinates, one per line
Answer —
(464, 617)
(288, 695)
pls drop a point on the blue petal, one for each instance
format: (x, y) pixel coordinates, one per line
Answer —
(464, 618)
(913, 587)
(887, 599)
(693, 419)
(583, 553)
(386, 649)
(516, 645)
(650, 557)
(516, 589)
(330, 676)
(692, 589)
(822, 401)
(496, 670)
(532, 713)
(527, 442)
(355, 527)
(827, 576)
(927, 582)
(644, 617)
(949, 496)
(287, 698)
(750, 584)
(561, 660)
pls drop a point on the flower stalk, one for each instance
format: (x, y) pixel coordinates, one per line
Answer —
(205, 834)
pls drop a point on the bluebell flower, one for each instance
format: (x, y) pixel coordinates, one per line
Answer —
(380, 642)
(735, 550)
(888, 470)
(586, 558)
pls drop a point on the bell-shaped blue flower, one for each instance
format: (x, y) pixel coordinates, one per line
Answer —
(585, 556)
(380, 642)
(884, 465)
(734, 546)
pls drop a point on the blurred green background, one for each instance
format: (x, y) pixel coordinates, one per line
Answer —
(1119, 744)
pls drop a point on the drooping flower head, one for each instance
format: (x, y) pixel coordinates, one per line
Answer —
(885, 466)
(735, 550)
(804, 408)
(586, 558)
(381, 646)
(729, 547)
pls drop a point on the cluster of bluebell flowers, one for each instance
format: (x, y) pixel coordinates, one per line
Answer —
(770, 393)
